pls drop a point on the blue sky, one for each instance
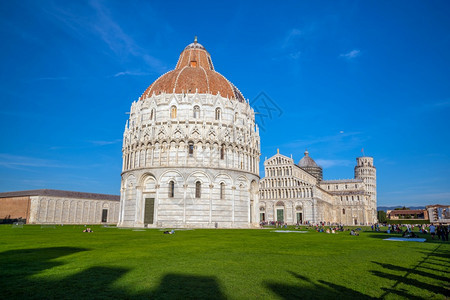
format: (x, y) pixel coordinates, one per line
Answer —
(341, 76)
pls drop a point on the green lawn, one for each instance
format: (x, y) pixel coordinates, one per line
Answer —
(63, 262)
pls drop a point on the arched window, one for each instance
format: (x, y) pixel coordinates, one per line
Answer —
(173, 112)
(222, 152)
(191, 149)
(222, 191)
(217, 113)
(171, 189)
(343, 211)
(235, 117)
(152, 113)
(198, 189)
(196, 112)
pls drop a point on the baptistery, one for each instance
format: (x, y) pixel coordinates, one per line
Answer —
(191, 151)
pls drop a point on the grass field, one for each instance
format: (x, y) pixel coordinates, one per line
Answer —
(63, 262)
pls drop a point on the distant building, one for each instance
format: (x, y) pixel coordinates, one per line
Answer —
(407, 214)
(296, 194)
(439, 213)
(59, 207)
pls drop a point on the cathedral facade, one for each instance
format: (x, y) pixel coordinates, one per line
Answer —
(191, 151)
(296, 193)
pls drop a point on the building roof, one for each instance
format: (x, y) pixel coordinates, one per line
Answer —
(436, 206)
(341, 181)
(194, 73)
(406, 211)
(59, 193)
(307, 162)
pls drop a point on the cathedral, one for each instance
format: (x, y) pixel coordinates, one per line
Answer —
(296, 193)
(191, 154)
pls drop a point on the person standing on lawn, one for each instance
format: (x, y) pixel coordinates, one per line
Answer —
(432, 231)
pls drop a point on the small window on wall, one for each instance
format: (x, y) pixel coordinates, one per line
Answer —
(343, 211)
(171, 189)
(222, 191)
(198, 189)
(152, 112)
(196, 112)
(191, 149)
(173, 112)
(222, 152)
(218, 114)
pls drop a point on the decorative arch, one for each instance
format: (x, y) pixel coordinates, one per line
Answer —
(280, 203)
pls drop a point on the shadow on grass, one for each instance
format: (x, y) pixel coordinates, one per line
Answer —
(411, 271)
(307, 289)
(19, 273)
(429, 281)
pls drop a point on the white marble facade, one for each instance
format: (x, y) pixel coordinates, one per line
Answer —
(291, 195)
(195, 157)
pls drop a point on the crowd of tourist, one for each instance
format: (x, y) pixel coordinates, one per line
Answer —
(440, 231)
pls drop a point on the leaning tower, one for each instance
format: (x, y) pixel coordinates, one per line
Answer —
(366, 171)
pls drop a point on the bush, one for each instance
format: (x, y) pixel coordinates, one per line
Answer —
(408, 221)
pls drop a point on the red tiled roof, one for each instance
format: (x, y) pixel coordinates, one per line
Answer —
(194, 73)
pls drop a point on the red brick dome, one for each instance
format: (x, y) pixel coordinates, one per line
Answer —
(194, 73)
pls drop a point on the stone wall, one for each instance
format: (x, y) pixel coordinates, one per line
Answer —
(14, 207)
(56, 210)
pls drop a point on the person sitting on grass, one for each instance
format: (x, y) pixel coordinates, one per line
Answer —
(354, 233)
(88, 230)
(409, 234)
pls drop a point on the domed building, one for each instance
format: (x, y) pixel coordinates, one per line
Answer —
(309, 165)
(191, 151)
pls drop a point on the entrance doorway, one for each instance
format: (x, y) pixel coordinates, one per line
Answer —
(280, 215)
(104, 215)
(299, 218)
(262, 217)
(149, 210)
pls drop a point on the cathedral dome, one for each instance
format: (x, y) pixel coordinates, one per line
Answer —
(194, 73)
(309, 165)
(307, 162)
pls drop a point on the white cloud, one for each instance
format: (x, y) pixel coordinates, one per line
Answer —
(104, 143)
(102, 25)
(18, 162)
(328, 163)
(130, 73)
(291, 36)
(352, 54)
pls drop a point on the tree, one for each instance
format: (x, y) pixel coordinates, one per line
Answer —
(401, 208)
(381, 214)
